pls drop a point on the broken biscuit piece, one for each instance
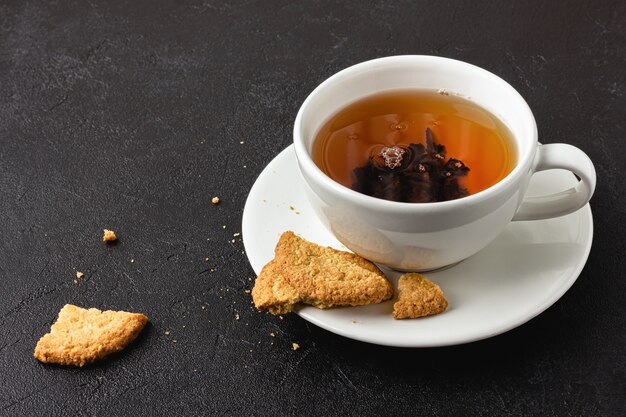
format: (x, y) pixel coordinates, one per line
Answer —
(81, 336)
(109, 236)
(418, 297)
(303, 272)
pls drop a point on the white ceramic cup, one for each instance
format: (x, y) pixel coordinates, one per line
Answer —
(426, 236)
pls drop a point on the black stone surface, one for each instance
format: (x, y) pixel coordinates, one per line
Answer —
(129, 115)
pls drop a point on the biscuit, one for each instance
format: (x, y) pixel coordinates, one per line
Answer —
(418, 297)
(303, 272)
(81, 336)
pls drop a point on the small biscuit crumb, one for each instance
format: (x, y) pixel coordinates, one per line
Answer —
(236, 234)
(273, 334)
(109, 236)
(236, 316)
(295, 346)
(167, 332)
(132, 261)
(241, 142)
(79, 275)
(291, 208)
(247, 291)
(215, 200)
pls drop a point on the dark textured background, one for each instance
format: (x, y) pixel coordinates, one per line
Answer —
(129, 115)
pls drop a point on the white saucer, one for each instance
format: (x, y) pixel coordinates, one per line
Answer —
(518, 276)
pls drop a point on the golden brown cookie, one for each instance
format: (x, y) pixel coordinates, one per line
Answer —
(303, 272)
(418, 297)
(81, 336)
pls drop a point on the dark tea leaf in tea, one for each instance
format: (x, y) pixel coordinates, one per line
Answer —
(412, 174)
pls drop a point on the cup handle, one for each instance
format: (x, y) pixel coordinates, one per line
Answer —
(564, 156)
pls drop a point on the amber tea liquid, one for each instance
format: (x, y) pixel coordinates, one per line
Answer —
(371, 132)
